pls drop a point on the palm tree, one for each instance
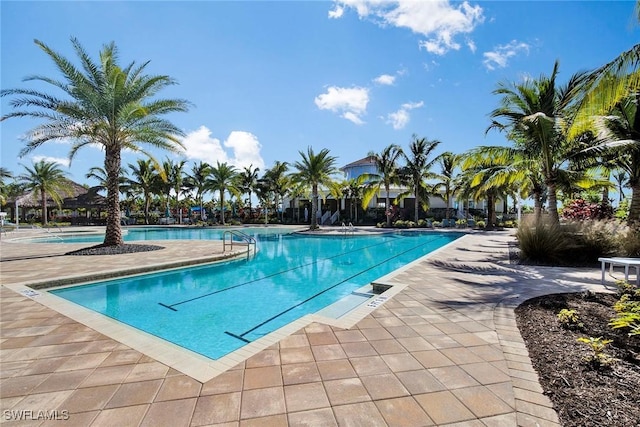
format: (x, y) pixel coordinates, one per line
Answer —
(417, 170)
(223, 178)
(619, 137)
(176, 178)
(354, 189)
(445, 187)
(278, 181)
(108, 105)
(533, 114)
(387, 165)
(247, 182)
(608, 85)
(47, 179)
(314, 170)
(144, 181)
(4, 174)
(622, 180)
(197, 181)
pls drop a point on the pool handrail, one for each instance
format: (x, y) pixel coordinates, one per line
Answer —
(249, 240)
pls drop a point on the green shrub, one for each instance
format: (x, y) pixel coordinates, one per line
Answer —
(569, 319)
(461, 223)
(630, 242)
(599, 358)
(542, 243)
(596, 239)
(481, 224)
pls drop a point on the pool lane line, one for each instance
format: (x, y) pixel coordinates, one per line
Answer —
(171, 306)
(241, 336)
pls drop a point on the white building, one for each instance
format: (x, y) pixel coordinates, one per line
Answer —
(330, 210)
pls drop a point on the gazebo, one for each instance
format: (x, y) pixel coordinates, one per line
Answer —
(84, 203)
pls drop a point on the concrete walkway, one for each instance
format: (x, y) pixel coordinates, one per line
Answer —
(444, 349)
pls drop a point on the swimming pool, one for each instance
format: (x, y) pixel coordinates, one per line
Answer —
(216, 309)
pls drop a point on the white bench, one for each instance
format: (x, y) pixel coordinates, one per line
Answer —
(627, 263)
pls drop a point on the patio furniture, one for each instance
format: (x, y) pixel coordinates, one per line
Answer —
(627, 263)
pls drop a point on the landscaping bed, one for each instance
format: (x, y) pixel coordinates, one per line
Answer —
(583, 393)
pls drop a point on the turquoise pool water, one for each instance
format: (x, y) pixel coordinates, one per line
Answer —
(216, 309)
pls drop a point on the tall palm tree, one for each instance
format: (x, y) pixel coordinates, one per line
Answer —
(106, 104)
(312, 171)
(353, 189)
(144, 180)
(47, 179)
(534, 113)
(223, 178)
(247, 182)
(417, 170)
(197, 181)
(176, 177)
(622, 180)
(445, 187)
(608, 85)
(387, 165)
(278, 181)
(619, 138)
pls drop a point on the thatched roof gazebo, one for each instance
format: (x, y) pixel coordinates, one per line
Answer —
(76, 197)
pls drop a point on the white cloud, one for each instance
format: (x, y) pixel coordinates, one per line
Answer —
(399, 119)
(498, 58)
(244, 147)
(336, 13)
(438, 20)
(351, 103)
(472, 46)
(385, 79)
(64, 161)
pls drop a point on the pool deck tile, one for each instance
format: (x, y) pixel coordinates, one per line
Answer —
(443, 348)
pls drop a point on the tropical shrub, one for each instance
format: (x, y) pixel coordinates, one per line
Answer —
(580, 209)
(542, 243)
(569, 319)
(627, 309)
(599, 359)
(622, 211)
(630, 242)
(481, 224)
(596, 239)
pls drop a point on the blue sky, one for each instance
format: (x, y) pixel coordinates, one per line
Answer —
(268, 79)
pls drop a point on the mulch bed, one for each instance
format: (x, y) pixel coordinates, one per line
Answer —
(583, 395)
(126, 248)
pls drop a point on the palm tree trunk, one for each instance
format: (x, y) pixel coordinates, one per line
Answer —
(113, 233)
(537, 207)
(491, 212)
(553, 203)
(43, 200)
(415, 209)
(222, 205)
(387, 208)
(634, 208)
(314, 206)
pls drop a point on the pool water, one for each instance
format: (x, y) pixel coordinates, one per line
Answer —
(216, 309)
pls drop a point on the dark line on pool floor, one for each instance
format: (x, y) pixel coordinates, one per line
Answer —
(331, 287)
(171, 306)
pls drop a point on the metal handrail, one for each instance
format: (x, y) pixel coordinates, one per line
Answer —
(46, 230)
(249, 240)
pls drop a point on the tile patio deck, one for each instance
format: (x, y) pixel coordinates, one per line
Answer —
(443, 350)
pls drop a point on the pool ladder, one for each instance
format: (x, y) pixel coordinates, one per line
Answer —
(246, 239)
(349, 229)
